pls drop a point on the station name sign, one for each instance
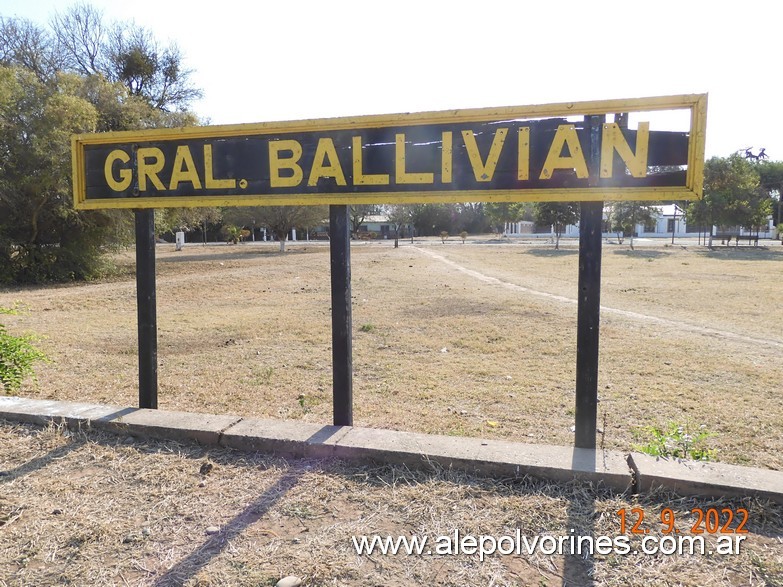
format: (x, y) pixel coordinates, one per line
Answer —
(556, 152)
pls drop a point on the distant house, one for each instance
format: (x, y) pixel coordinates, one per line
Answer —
(379, 226)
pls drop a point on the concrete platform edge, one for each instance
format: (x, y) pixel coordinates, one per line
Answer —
(612, 469)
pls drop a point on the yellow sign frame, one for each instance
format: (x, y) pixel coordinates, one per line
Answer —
(695, 103)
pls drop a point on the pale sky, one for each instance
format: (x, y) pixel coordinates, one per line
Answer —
(287, 60)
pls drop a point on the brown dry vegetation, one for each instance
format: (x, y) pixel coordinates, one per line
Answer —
(246, 330)
(448, 339)
(91, 509)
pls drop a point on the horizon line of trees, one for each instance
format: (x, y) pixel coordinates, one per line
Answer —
(81, 74)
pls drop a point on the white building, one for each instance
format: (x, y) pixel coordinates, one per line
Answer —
(669, 218)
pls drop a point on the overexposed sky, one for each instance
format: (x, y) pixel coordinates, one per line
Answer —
(285, 60)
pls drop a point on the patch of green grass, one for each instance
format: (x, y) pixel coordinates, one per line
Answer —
(676, 440)
(366, 328)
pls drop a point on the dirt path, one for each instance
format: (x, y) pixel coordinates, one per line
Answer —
(675, 324)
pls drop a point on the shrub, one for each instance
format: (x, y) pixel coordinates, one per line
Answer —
(17, 356)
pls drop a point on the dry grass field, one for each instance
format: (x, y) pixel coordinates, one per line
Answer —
(475, 340)
(98, 510)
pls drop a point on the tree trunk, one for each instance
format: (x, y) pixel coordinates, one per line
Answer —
(282, 244)
(34, 220)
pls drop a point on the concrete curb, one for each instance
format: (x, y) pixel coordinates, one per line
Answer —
(612, 469)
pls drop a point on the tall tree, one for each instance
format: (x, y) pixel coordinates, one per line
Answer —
(558, 215)
(26, 45)
(46, 95)
(732, 195)
(127, 53)
(41, 236)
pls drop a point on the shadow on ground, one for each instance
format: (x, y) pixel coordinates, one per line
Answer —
(554, 253)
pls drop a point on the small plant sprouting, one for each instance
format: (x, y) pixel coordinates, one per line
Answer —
(676, 440)
(366, 328)
(303, 403)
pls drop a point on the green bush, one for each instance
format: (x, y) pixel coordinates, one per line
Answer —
(17, 356)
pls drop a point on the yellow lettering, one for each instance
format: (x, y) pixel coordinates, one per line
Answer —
(323, 152)
(126, 175)
(484, 170)
(565, 135)
(401, 176)
(523, 158)
(276, 163)
(209, 178)
(184, 169)
(613, 140)
(150, 170)
(359, 178)
(446, 159)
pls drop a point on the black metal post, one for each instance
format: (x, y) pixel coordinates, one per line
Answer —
(589, 302)
(342, 356)
(146, 307)
(588, 319)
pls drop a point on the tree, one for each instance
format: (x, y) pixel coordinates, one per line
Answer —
(556, 214)
(400, 215)
(41, 237)
(498, 213)
(771, 182)
(126, 53)
(45, 96)
(186, 219)
(30, 47)
(279, 219)
(471, 217)
(732, 195)
(624, 216)
(431, 219)
(358, 214)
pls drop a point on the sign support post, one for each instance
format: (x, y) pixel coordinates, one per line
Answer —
(146, 308)
(342, 357)
(589, 303)
(587, 328)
